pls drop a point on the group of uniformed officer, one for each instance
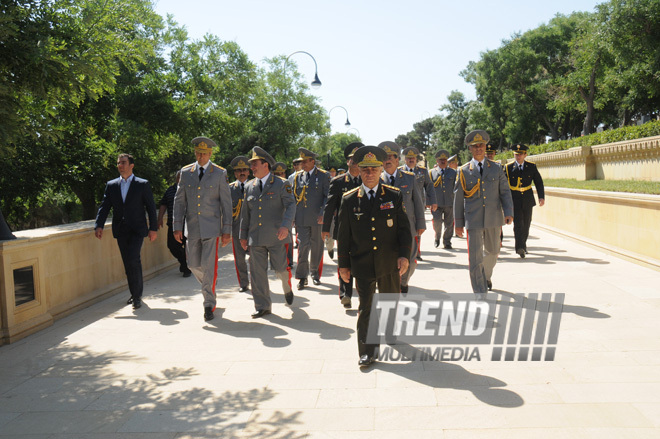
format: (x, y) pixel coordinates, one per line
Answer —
(258, 216)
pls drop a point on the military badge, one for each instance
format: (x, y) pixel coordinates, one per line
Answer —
(388, 205)
(390, 222)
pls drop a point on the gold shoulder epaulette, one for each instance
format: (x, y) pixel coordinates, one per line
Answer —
(529, 161)
(355, 189)
(421, 167)
(407, 172)
(188, 166)
(281, 178)
(465, 166)
(218, 166)
(325, 172)
(391, 187)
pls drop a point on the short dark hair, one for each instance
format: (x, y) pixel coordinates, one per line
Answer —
(131, 161)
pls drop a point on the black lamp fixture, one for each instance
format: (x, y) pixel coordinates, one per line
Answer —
(316, 83)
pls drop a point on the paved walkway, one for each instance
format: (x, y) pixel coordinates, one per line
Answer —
(162, 372)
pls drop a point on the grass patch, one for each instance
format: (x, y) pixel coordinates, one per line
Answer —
(634, 186)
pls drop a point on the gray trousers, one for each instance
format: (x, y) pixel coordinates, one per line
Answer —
(483, 249)
(310, 251)
(444, 216)
(203, 262)
(412, 264)
(259, 273)
(239, 262)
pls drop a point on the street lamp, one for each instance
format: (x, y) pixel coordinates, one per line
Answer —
(316, 83)
(353, 129)
(347, 124)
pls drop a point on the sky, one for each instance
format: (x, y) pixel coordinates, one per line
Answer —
(390, 64)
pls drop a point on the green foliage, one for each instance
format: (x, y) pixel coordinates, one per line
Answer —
(633, 186)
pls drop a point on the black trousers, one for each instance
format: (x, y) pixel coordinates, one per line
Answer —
(345, 288)
(130, 244)
(522, 219)
(178, 249)
(390, 283)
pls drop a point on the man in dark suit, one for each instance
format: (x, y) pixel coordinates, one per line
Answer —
(338, 187)
(520, 174)
(374, 240)
(128, 196)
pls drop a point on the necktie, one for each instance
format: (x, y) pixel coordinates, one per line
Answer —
(392, 180)
(520, 168)
(242, 188)
(442, 172)
(308, 177)
(261, 185)
(372, 197)
(481, 169)
(201, 173)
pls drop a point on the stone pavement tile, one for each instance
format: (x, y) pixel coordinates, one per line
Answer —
(316, 353)
(507, 395)
(59, 384)
(26, 436)
(609, 392)
(143, 399)
(554, 433)
(528, 373)
(323, 381)
(222, 382)
(411, 397)
(5, 417)
(349, 365)
(584, 359)
(66, 422)
(351, 419)
(338, 434)
(275, 367)
(205, 421)
(289, 398)
(651, 410)
(615, 374)
(160, 435)
(456, 378)
(67, 400)
(646, 357)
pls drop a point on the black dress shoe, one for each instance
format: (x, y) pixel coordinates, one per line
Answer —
(316, 281)
(404, 289)
(419, 258)
(208, 313)
(448, 247)
(260, 313)
(242, 289)
(331, 253)
(346, 301)
(288, 297)
(490, 285)
(365, 360)
(137, 303)
(129, 301)
(436, 243)
(521, 252)
(302, 283)
(187, 273)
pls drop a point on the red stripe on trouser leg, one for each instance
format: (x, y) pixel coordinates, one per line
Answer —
(233, 249)
(289, 280)
(215, 270)
(419, 243)
(288, 262)
(321, 266)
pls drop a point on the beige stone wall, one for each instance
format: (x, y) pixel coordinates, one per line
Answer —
(72, 270)
(623, 223)
(629, 160)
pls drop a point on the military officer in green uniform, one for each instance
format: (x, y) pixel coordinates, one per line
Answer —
(203, 199)
(241, 171)
(310, 188)
(374, 240)
(482, 204)
(266, 219)
(413, 202)
(443, 178)
(521, 174)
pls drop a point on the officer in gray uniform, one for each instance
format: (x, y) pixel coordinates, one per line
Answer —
(203, 199)
(266, 219)
(413, 202)
(237, 188)
(443, 178)
(279, 169)
(482, 204)
(310, 188)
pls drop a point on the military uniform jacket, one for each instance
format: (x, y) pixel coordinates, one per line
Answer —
(338, 187)
(265, 211)
(310, 197)
(520, 183)
(479, 201)
(205, 204)
(424, 183)
(412, 198)
(237, 200)
(443, 186)
(372, 235)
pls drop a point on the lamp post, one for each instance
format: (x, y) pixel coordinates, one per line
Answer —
(353, 129)
(316, 83)
(348, 123)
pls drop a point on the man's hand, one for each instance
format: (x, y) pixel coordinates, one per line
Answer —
(98, 232)
(244, 244)
(459, 231)
(319, 220)
(225, 239)
(160, 223)
(508, 219)
(420, 231)
(541, 202)
(152, 235)
(178, 235)
(282, 233)
(324, 235)
(434, 207)
(345, 274)
(402, 265)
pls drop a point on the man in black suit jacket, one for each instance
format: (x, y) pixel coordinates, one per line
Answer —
(520, 174)
(374, 240)
(128, 196)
